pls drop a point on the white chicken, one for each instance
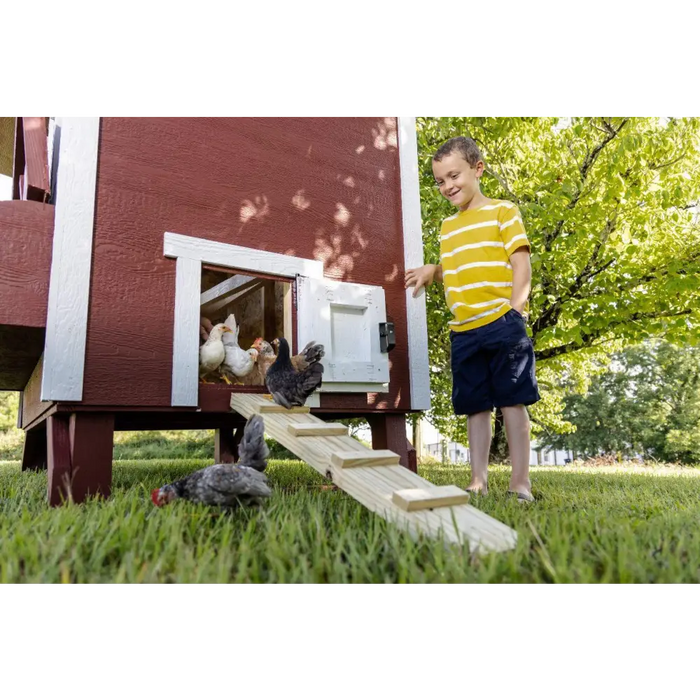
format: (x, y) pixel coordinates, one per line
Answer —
(212, 353)
(238, 362)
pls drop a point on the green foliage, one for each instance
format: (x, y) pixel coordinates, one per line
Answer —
(9, 402)
(611, 210)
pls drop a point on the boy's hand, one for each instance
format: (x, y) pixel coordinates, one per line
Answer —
(420, 277)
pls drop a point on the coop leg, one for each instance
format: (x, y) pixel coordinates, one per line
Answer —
(412, 457)
(79, 456)
(35, 447)
(389, 433)
(58, 458)
(226, 443)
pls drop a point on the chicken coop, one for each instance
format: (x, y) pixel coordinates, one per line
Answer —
(125, 235)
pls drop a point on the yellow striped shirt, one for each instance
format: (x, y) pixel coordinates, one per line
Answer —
(475, 249)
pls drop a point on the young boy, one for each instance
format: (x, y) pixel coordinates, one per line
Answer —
(485, 268)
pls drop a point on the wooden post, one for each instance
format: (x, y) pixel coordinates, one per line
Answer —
(269, 320)
(226, 445)
(92, 441)
(58, 458)
(389, 433)
(34, 454)
(412, 457)
(79, 456)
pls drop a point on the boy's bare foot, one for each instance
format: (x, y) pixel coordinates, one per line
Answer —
(477, 487)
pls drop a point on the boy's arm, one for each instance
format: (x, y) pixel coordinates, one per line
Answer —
(522, 278)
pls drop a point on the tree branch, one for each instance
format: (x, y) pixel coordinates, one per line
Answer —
(584, 169)
(588, 338)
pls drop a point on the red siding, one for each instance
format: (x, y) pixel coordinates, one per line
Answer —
(327, 189)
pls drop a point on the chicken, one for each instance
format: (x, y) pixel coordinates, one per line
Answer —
(226, 484)
(287, 386)
(212, 353)
(238, 362)
(266, 357)
(310, 354)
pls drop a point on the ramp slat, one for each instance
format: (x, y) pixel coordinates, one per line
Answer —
(316, 429)
(364, 458)
(433, 497)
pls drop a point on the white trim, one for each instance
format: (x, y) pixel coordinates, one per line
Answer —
(354, 387)
(176, 245)
(190, 253)
(69, 285)
(416, 315)
(188, 286)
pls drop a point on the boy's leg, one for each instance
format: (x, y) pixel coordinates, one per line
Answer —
(514, 388)
(517, 423)
(471, 396)
(479, 430)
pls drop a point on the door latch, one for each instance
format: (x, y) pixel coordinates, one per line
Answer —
(387, 339)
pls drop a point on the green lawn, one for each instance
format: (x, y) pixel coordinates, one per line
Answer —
(588, 525)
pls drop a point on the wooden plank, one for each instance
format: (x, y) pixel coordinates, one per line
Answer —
(364, 458)
(177, 245)
(269, 317)
(374, 487)
(416, 314)
(36, 166)
(184, 390)
(26, 239)
(275, 408)
(224, 288)
(433, 497)
(71, 262)
(314, 429)
(32, 405)
(243, 291)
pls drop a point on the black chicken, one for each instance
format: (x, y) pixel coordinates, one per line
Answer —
(288, 386)
(226, 484)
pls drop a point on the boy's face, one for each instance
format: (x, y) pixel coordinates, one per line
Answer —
(457, 180)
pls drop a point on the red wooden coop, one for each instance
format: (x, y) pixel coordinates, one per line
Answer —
(123, 232)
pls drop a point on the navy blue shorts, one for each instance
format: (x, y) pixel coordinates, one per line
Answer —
(493, 366)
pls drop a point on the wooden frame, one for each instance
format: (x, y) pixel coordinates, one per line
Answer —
(69, 286)
(413, 257)
(190, 253)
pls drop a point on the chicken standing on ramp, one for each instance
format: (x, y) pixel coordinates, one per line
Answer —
(287, 386)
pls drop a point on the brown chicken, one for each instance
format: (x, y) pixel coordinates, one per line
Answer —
(310, 354)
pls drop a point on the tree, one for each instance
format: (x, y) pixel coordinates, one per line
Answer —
(611, 210)
(647, 402)
(9, 402)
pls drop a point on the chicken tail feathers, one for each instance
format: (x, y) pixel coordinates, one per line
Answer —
(253, 450)
(313, 352)
(312, 378)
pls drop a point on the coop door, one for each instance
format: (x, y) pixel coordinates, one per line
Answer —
(345, 318)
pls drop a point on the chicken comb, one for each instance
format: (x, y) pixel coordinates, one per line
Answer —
(155, 497)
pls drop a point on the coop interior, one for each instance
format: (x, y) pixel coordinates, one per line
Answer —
(261, 307)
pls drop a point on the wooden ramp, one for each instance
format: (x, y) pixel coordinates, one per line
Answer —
(375, 478)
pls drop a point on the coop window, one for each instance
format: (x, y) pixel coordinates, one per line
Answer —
(260, 305)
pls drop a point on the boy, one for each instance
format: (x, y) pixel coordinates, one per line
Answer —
(485, 267)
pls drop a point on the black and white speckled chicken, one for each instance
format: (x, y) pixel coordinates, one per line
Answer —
(288, 386)
(312, 352)
(226, 484)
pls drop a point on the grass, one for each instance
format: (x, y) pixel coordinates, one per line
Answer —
(588, 526)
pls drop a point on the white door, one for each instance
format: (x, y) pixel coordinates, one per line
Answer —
(345, 318)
